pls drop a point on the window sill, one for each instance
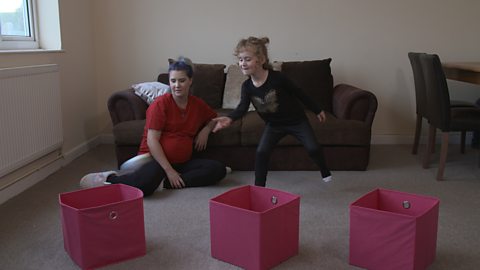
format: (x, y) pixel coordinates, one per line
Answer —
(21, 51)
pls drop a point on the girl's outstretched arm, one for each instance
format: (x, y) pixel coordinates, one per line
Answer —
(221, 123)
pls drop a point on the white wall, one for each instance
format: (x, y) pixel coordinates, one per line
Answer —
(368, 41)
(77, 85)
(77, 72)
(110, 44)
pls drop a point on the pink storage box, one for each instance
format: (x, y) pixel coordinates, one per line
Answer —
(254, 227)
(393, 230)
(103, 225)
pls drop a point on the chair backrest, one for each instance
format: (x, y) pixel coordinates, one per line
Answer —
(438, 97)
(419, 81)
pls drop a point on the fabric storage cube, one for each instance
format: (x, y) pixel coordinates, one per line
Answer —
(103, 225)
(254, 227)
(393, 230)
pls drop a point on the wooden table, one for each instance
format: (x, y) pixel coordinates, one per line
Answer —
(463, 71)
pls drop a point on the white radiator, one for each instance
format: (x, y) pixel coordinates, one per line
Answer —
(30, 115)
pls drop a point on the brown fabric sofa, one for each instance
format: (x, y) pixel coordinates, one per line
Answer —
(345, 136)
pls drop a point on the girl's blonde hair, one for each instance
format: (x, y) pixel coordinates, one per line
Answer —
(259, 47)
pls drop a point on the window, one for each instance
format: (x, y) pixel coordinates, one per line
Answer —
(17, 25)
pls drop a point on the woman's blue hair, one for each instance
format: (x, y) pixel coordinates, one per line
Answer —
(182, 63)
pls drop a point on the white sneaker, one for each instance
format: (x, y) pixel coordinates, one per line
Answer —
(96, 179)
(327, 179)
(228, 169)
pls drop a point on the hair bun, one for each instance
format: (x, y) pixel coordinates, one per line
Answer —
(185, 60)
(181, 59)
(264, 40)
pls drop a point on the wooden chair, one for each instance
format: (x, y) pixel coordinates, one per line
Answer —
(440, 113)
(421, 100)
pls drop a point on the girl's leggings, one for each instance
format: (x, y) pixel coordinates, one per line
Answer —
(273, 134)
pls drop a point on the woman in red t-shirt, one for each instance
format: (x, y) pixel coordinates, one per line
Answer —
(175, 123)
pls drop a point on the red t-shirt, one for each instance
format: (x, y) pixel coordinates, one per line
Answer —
(178, 126)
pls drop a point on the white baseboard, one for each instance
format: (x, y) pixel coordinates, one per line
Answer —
(391, 139)
(80, 150)
(454, 138)
(44, 171)
(30, 180)
(106, 139)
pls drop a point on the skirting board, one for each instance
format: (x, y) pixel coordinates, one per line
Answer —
(395, 139)
(30, 180)
(38, 175)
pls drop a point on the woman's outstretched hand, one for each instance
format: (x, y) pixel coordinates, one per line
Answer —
(221, 123)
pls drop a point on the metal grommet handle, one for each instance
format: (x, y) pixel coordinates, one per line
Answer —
(406, 204)
(274, 200)
(113, 215)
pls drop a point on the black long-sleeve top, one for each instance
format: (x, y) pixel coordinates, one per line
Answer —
(276, 101)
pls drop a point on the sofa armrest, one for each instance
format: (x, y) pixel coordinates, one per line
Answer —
(126, 106)
(352, 103)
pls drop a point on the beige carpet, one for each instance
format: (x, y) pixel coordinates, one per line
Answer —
(177, 222)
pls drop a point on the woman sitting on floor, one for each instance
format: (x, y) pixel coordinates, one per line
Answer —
(171, 131)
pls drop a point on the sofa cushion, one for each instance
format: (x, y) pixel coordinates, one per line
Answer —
(332, 132)
(233, 88)
(314, 78)
(277, 65)
(337, 131)
(252, 129)
(149, 91)
(226, 137)
(208, 83)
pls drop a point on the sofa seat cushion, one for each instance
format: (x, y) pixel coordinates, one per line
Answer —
(129, 132)
(337, 131)
(333, 132)
(226, 137)
(251, 129)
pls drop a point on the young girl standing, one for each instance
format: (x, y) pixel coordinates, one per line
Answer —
(275, 99)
